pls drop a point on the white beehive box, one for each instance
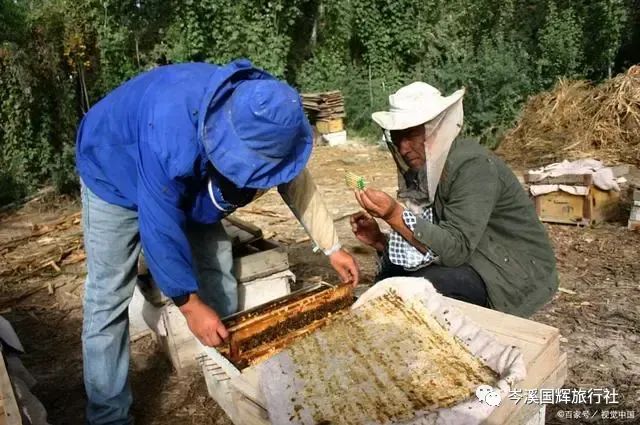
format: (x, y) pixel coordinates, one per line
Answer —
(261, 268)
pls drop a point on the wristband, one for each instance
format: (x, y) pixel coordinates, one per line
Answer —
(335, 248)
(180, 300)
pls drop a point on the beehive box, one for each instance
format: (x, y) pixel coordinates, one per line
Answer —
(262, 276)
(330, 125)
(592, 207)
(546, 368)
(261, 268)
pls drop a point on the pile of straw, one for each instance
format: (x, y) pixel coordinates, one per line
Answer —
(578, 120)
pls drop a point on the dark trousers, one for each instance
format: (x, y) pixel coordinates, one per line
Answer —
(462, 283)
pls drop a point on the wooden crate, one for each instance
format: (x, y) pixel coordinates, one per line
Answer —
(561, 207)
(330, 126)
(9, 411)
(259, 259)
(539, 344)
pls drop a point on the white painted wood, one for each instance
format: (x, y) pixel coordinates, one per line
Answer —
(259, 291)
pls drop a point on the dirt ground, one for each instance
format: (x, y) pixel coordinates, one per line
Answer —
(42, 271)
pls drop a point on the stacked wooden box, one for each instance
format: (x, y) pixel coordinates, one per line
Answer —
(326, 110)
(261, 267)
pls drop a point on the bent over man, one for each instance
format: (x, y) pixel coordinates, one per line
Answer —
(162, 159)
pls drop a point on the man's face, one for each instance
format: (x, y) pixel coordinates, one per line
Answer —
(410, 145)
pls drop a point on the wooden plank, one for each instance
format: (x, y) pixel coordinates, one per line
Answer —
(330, 126)
(568, 179)
(540, 347)
(257, 324)
(244, 225)
(604, 205)
(522, 412)
(277, 325)
(263, 352)
(239, 237)
(180, 344)
(261, 264)
(537, 370)
(257, 292)
(9, 412)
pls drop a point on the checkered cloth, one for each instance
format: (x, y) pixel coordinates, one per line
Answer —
(401, 252)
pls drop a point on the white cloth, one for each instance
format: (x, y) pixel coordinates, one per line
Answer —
(603, 177)
(543, 189)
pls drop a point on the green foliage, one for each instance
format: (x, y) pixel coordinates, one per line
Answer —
(560, 45)
(12, 16)
(610, 18)
(222, 30)
(58, 57)
(500, 78)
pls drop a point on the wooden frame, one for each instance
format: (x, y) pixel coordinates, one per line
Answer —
(282, 321)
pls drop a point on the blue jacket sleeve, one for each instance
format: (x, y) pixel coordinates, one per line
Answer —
(162, 222)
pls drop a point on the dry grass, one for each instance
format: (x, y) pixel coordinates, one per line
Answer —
(579, 120)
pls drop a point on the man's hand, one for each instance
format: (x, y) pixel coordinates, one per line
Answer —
(367, 230)
(379, 204)
(346, 266)
(204, 322)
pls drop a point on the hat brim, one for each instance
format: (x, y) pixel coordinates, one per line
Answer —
(401, 120)
(246, 168)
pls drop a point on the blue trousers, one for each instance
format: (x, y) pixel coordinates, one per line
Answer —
(112, 245)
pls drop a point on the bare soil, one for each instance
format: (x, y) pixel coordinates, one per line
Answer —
(41, 278)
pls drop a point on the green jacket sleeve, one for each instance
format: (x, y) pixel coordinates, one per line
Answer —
(467, 207)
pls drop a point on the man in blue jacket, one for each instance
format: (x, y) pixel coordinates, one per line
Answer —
(162, 159)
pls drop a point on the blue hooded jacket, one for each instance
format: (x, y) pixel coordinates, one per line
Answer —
(146, 145)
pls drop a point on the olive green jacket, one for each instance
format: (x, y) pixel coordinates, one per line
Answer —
(484, 218)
